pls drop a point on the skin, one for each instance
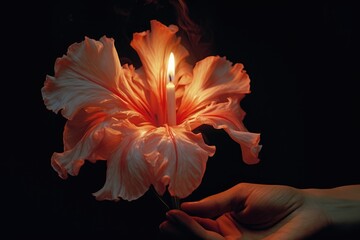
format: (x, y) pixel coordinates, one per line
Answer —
(268, 212)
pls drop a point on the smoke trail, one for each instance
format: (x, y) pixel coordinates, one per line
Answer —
(136, 14)
(192, 34)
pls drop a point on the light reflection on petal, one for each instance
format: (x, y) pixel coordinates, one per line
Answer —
(116, 113)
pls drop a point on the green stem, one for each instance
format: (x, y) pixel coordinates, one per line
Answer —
(160, 198)
(175, 200)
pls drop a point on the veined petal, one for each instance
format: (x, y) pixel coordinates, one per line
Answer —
(178, 159)
(86, 119)
(79, 126)
(97, 61)
(214, 79)
(154, 47)
(127, 175)
(94, 141)
(249, 143)
(228, 116)
(118, 113)
(88, 75)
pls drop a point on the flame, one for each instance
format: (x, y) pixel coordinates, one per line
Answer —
(171, 67)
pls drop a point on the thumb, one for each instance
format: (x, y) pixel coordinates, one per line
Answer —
(230, 200)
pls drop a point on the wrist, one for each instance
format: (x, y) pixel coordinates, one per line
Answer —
(340, 205)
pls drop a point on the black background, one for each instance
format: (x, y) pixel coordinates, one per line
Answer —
(302, 59)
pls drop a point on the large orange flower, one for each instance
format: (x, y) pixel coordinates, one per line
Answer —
(117, 113)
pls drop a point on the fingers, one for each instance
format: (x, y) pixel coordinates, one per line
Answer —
(182, 218)
(207, 223)
(230, 200)
(172, 230)
(209, 207)
(180, 224)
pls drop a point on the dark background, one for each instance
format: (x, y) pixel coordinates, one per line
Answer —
(302, 59)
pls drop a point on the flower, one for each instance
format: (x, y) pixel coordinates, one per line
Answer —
(116, 113)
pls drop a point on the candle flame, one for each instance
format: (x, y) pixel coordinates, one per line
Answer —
(171, 67)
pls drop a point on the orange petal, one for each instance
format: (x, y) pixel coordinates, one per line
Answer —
(87, 76)
(154, 47)
(214, 79)
(128, 175)
(228, 116)
(93, 140)
(178, 159)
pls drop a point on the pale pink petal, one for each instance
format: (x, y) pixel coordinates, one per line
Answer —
(228, 116)
(88, 75)
(128, 175)
(94, 140)
(214, 79)
(249, 143)
(117, 113)
(178, 159)
(87, 119)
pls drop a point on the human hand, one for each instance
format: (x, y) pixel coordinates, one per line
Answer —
(248, 212)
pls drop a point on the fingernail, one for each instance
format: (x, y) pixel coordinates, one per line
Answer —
(171, 217)
(186, 205)
(161, 226)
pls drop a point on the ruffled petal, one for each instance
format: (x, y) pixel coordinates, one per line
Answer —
(128, 175)
(117, 113)
(86, 137)
(178, 159)
(214, 79)
(228, 116)
(154, 47)
(88, 75)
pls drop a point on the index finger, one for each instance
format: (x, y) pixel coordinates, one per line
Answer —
(229, 200)
(178, 216)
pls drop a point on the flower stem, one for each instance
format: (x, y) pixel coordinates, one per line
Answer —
(176, 202)
(161, 199)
